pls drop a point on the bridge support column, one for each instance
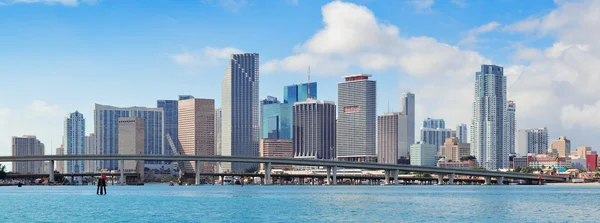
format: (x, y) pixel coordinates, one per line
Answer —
(451, 178)
(267, 173)
(387, 177)
(396, 177)
(440, 180)
(500, 180)
(51, 173)
(197, 172)
(334, 175)
(328, 181)
(488, 180)
(122, 179)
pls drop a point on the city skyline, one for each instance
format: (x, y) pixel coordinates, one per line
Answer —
(44, 108)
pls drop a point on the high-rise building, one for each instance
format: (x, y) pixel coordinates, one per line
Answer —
(299, 92)
(489, 111)
(90, 149)
(314, 129)
(582, 151)
(510, 127)
(435, 137)
(422, 154)
(131, 142)
(392, 137)
(277, 148)
(185, 97)
(107, 135)
(461, 133)
(74, 141)
(434, 123)
(407, 102)
(240, 110)
(170, 112)
(197, 131)
(562, 147)
(27, 146)
(453, 149)
(357, 117)
(218, 138)
(276, 119)
(60, 165)
(532, 141)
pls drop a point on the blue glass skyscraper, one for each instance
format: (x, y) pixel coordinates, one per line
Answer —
(276, 119)
(170, 108)
(299, 92)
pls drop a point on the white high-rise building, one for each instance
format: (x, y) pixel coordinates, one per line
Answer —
(74, 141)
(218, 138)
(240, 123)
(461, 133)
(27, 146)
(90, 149)
(422, 154)
(510, 127)
(314, 130)
(533, 141)
(407, 102)
(392, 137)
(489, 111)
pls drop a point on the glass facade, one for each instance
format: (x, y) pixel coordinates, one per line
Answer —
(276, 121)
(170, 108)
(299, 92)
(74, 141)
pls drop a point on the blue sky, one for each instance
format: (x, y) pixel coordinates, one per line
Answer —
(58, 56)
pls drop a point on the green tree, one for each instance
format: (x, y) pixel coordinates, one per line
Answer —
(467, 158)
(2, 171)
(517, 169)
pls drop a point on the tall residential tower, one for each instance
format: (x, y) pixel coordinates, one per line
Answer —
(74, 141)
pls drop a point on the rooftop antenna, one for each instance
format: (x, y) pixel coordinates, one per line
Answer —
(308, 81)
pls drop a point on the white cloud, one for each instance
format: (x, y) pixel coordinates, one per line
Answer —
(71, 3)
(583, 116)
(422, 6)
(473, 35)
(194, 61)
(40, 109)
(353, 38)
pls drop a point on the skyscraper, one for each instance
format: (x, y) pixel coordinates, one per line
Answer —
(489, 111)
(90, 149)
(510, 127)
(532, 141)
(453, 149)
(107, 136)
(392, 137)
(185, 97)
(74, 141)
(276, 119)
(314, 129)
(240, 109)
(434, 123)
(435, 137)
(218, 130)
(197, 131)
(357, 117)
(407, 102)
(60, 165)
(27, 146)
(131, 142)
(461, 133)
(299, 92)
(170, 111)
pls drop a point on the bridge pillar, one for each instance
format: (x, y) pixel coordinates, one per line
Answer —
(500, 180)
(396, 177)
(51, 173)
(328, 175)
(488, 180)
(267, 173)
(451, 178)
(387, 177)
(197, 172)
(122, 179)
(334, 175)
(440, 180)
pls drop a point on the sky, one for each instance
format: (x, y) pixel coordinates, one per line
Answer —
(59, 56)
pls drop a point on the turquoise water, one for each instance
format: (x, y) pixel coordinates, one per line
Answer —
(161, 203)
